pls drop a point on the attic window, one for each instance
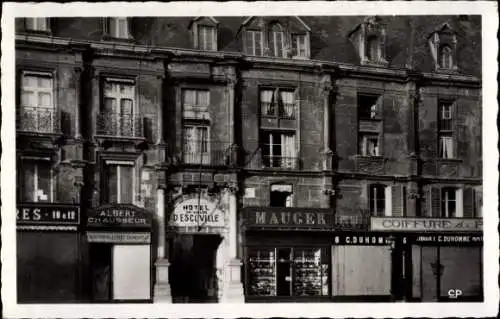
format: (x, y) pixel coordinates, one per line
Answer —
(37, 24)
(118, 27)
(372, 49)
(446, 57)
(299, 45)
(207, 38)
(276, 40)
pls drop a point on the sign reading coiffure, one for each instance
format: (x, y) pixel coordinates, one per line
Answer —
(408, 224)
(47, 214)
(119, 215)
(196, 211)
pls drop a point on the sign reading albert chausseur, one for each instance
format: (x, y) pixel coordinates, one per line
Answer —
(119, 216)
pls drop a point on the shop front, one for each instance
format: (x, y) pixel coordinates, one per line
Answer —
(287, 254)
(48, 253)
(199, 247)
(119, 254)
(436, 257)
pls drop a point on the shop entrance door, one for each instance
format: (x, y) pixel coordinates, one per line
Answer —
(100, 272)
(193, 268)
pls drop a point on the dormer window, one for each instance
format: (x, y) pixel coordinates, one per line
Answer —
(446, 58)
(36, 24)
(207, 39)
(443, 47)
(276, 40)
(253, 42)
(118, 27)
(300, 46)
(204, 33)
(369, 40)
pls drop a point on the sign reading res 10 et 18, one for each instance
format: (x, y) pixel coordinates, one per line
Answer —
(196, 212)
(33, 213)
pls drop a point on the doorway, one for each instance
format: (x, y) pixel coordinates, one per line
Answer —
(193, 268)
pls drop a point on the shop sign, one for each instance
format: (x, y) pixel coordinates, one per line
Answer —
(426, 224)
(119, 215)
(47, 214)
(198, 212)
(362, 239)
(289, 217)
(448, 239)
(119, 237)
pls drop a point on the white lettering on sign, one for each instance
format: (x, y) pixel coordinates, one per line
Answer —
(426, 224)
(118, 237)
(196, 212)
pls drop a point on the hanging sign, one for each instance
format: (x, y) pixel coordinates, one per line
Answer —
(195, 211)
(119, 215)
(47, 214)
(408, 224)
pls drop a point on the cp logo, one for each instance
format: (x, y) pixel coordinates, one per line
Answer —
(454, 293)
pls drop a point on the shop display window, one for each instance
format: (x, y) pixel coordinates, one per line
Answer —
(288, 272)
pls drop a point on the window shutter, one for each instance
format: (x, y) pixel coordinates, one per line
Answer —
(397, 204)
(478, 202)
(468, 202)
(434, 202)
(112, 179)
(388, 200)
(126, 184)
(459, 210)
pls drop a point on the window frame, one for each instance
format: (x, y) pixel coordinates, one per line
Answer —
(205, 155)
(35, 27)
(374, 198)
(267, 144)
(372, 43)
(34, 197)
(204, 44)
(196, 105)
(115, 94)
(306, 47)
(446, 61)
(118, 165)
(253, 47)
(363, 144)
(116, 21)
(52, 109)
(289, 201)
(277, 104)
(445, 202)
(276, 29)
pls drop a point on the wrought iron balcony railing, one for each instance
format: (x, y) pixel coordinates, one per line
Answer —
(119, 125)
(201, 152)
(38, 120)
(281, 162)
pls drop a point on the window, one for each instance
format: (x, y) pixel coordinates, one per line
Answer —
(278, 102)
(368, 107)
(276, 40)
(372, 50)
(196, 144)
(36, 24)
(448, 202)
(118, 27)
(369, 145)
(278, 149)
(37, 105)
(299, 45)
(37, 183)
(198, 99)
(207, 39)
(287, 271)
(253, 42)
(281, 195)
(118, 117)
(446, 57)
(446, 130)
(121, 183)
(379, 200)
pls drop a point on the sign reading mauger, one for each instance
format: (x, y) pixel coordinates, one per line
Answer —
(426, 224)
(291, 217)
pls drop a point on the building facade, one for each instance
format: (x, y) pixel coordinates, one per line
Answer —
(257, 159)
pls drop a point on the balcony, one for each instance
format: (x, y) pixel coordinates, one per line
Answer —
(38, 120)
(280, 162)
(119, 125)
(205, 153)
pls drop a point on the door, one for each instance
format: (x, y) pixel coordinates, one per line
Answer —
(100, 272)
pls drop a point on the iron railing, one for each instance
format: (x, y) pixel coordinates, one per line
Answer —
(202, 152)
(119, 125)
(282, 162)
(38, 119)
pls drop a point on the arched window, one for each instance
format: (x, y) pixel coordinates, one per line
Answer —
(276, 39)
(446, 58)
(372, 48)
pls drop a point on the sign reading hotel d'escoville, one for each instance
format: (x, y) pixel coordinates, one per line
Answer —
(119, 215)
(196, 212)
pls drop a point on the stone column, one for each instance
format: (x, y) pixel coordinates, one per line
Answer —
(327, 152)
(162, 293)
(233, 287)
